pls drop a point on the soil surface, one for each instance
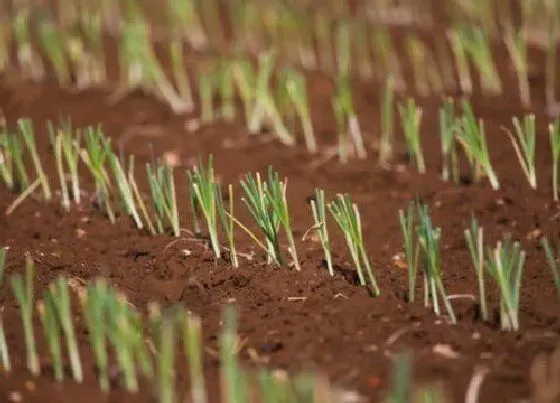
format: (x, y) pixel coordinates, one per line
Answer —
(306, 319)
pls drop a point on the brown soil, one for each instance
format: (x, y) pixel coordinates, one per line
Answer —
(333, 324)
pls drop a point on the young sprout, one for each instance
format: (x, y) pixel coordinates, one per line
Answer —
(225, 81)
(4, 353)
(320, 219)
(138, 197)
(47, 314)
(27, 58)
(26, 129)
(517, 48)
(476, 44)
(203, 196)
(347, 121)
(244, 78)
(360, 35)
(347, 216)
(206, 86)
(297, 91)
(553, 263)
(94, 307)
(70, 147)
(53, 47)
(343, 46)
(411, 248)
(23, 291)
(233, 380)
(411, 117)
(554, 130)
(447, 129)
(417, 54)
(162, 187)
(178, 13)
(226, 217)
(524, 144)
(474, 237)
(473, 139)
(164, 336)
(386, 54)
(3, 253)
(60, 298)
(429, 239)
(265, 107)
(461, 60)
(122, 339)
(323, 34)
(275, 192)
(505, 264)
(386, 138)
(192, 342)
(6, 161)
(259, 205)
(125, 190)
(95, 155)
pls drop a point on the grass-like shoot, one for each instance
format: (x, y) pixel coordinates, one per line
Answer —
(347, 216)
(429, 239)
(386, 118)
(233, 379)
(505, 264)
(554, 132)
(472, 137)
(320, 224)
(163, 325)
(411, 117)
(474, 236)
(49, 321)
(524, 144)
(226, 217)
(26, 129)
(23, 291)
(95, 155)
(53, 44)
(516, 44)
(162, 187)
(411, 248)
(447, 121)
(264, 215)
(125, 190)
(192, 344)
(297, 91)
(4, 352)
(203, 188)
(552, 259)
(67, 153)
(94, 308)
(275, 191)
(60, 298)
(347, 122)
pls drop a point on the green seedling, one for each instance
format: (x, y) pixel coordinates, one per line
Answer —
(429, 239)
(472, 137)
(525, 144)
(320, 225)
(26, 129)
(226, 216)
(23, 291)
(125, 189)
(474, 237)
(47, 314)
(553, 263)
(411, 117)
(411, 248)
(347, 216)
(162, 187)
(447, 130)
(203, 189)
(505, 264)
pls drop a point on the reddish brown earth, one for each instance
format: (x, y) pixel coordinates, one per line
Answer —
(333, 324)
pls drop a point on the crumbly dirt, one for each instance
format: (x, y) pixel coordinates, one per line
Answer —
(307, 319)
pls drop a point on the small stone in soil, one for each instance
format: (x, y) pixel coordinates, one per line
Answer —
(15, 396)
(271, 347)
